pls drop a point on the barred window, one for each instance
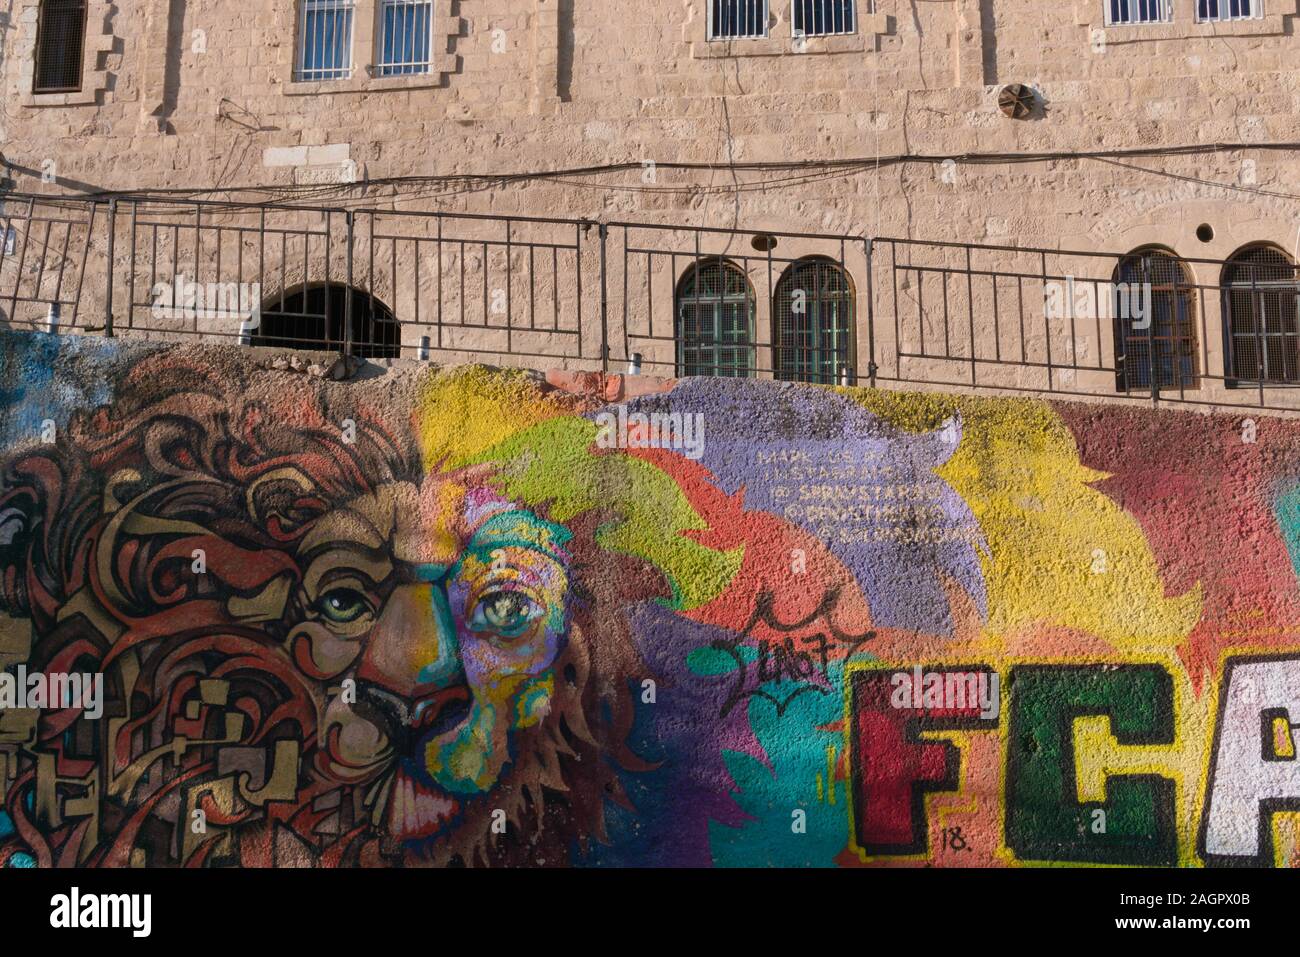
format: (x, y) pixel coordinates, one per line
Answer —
(315, 317)
(821, 18)
(405, 35)
(1120, 12)
(325, 40)
(813, 323)
(715, 320)
(737, 19)
(1155, 323)
(1261, 300)
(60, 41)
(1216, 10)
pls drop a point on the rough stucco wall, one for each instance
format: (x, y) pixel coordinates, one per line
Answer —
(443, 617)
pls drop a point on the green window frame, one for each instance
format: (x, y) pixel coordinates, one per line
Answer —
(715, 313)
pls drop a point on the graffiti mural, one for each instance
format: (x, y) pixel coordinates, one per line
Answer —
(469, 617)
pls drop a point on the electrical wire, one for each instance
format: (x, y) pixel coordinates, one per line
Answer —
(849, 165)
(764, 176)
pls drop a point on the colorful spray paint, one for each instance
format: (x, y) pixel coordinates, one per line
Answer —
(468, 617)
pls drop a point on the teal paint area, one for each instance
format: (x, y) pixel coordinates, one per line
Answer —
(793, 796)
(1288, 520)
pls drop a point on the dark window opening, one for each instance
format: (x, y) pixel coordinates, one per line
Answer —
(1261, 338)
(60, 41)
(316, 319)
(715, 321)
(813, 323)
(820, 18)
(1155, 324)
(737, 19)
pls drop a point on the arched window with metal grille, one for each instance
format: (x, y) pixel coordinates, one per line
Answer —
(715, 320)
(812, 318)
(1155, 323)
(1261, 341)
(316, 318)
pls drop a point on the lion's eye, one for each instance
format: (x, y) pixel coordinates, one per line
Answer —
(343, 605)
(508, 613)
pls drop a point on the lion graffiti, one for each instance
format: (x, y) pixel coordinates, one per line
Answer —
(318, 648)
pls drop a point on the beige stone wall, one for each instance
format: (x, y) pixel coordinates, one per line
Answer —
(200, 93)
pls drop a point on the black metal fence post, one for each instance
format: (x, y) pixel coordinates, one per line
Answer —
(349, 220)
(604, 299)
(1153, 366)
(871, 312)
(112, 248)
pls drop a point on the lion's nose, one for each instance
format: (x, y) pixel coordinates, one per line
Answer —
(411, 651)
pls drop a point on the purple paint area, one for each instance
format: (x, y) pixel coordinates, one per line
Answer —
(865, 488)
(693, 785)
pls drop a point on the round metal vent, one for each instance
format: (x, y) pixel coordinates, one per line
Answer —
(1017, 101)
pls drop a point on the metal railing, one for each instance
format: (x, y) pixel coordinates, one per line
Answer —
(663, 299)
(1139, 325)
(371, 282)
(43, 257)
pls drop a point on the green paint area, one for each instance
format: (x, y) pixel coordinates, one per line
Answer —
(1045, 821)
(799, 812)
(554, 463)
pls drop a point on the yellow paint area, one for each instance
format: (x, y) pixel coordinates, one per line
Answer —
(464, 412)
(1059, 551)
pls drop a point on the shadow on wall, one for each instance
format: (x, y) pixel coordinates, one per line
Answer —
(568, 46)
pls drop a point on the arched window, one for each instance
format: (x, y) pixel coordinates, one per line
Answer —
(1260, 335)
(1155, 323)
(813, 323)
(715, 320)
(316, 318)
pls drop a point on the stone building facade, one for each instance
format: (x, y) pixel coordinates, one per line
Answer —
(1053, 126)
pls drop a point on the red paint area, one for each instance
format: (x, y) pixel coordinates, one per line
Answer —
(1206, 512)
(801, 574)
(893, 767)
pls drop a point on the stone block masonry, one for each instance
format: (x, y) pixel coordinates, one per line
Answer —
(194, 94)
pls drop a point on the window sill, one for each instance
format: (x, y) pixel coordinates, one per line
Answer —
(780, 42)
(1191, 30)
(434, 79)
(74, 98)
